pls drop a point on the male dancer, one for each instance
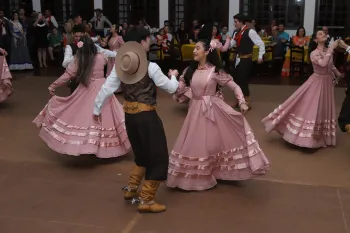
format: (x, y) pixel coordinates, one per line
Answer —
(344, 116)
(144, 127)
(244, 40)
(71, 50)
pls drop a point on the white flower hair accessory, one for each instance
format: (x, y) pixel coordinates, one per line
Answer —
(80, 44)
(213, 45)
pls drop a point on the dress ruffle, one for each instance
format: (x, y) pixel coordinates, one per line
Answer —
(5, 80)
(77, 140)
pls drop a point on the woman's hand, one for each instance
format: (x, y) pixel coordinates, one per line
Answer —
(3, 51)
(173, 72)
(244, 108)
(51, 91)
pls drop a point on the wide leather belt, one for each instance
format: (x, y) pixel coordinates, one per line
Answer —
(137, 107)
(245, 55)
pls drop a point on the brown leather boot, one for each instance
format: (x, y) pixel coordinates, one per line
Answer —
(147, 195)
(135, 178)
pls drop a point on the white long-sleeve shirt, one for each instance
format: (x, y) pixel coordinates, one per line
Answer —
(256, 40)
(53, 21)
(113, 82)
(69, 57)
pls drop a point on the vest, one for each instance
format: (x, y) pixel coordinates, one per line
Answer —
(144, 91)
(246, 45)
(74, 48)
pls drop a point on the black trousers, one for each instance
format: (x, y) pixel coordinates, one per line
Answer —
(344, 116)
(147, 137)
(243, 74)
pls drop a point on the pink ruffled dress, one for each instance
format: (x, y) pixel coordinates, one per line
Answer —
(66, 123)
(5, 80)
(114, 44)
(215, 141)
(308, 118)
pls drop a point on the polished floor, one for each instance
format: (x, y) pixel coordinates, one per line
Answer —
(306, 191)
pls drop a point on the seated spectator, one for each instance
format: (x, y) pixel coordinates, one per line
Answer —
(284, 36)
(162, 39)
(168, 34)
(55, 40)
(278, 51)
(194, 38)
(300, 39)
(181, 34)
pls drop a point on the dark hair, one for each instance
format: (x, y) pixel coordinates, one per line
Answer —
(204, 37)
(297, 34)
(78, 28)
(240, 18)
(76, 15)
(85, 58)
(137, 34)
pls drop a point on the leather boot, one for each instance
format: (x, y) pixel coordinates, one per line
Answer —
(135, 178)
(147, 195)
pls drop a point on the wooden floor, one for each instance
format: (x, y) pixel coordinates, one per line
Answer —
(42, 191)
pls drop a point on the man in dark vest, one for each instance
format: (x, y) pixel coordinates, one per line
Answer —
(244, 40)
(139, 79)
(71, 50)
(344, 116)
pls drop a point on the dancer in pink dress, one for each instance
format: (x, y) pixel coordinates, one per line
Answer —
(114, 42)
(215, 142)
(66, 124)
(307, 118)
(5, 77)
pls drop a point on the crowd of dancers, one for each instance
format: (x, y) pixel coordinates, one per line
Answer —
(215, 142)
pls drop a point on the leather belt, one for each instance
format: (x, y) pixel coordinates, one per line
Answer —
(137, 107)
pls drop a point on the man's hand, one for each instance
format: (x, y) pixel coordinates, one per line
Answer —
(97, 118)
(173, 72)
(260, 60)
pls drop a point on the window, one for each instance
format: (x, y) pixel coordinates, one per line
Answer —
(177, 12)
(288, 12)
(67, 10)
(335, 15)
(123, 11)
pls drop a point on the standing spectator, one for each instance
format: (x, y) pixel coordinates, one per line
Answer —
(20, 58)
(77, 19)
(51, 21)
(99, 21)
(181, 34)
(5, 34)
(41, 30)
(55, 40)
(143, 23)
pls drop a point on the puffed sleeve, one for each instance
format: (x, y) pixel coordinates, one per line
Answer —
(183, 92)
(317, 59)
(68, 75)
(224, 79)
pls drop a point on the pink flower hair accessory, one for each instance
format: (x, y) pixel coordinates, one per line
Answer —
(213, 45)
(80, 44)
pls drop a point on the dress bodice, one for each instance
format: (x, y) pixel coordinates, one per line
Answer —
(321, 62)
(202, 83)
(115, 43)
(98, 67)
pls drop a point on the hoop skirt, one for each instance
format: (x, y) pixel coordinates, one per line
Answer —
(67, 126)
(215, 141)
(5, 80)
(308, 118)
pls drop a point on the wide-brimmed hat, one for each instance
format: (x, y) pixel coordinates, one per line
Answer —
(131, 62)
